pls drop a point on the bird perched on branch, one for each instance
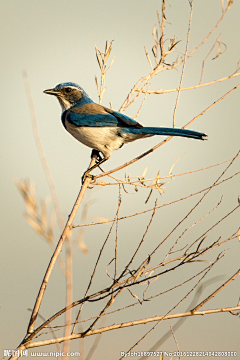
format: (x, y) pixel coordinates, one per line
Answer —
(100, 128)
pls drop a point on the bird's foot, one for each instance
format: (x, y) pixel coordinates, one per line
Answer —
(88, 175)
(96, 152)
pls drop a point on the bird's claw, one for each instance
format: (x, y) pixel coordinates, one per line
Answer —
(88, 175)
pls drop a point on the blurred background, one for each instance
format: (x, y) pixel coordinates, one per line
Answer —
(54, 42)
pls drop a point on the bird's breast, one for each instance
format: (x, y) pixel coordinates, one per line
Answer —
(104, 139)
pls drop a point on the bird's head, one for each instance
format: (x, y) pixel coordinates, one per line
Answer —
(68, 94)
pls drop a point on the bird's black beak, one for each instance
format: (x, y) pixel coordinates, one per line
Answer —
(51, 92)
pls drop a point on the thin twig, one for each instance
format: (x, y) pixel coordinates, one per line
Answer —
(174, 307)
(125, 325)
(96, 342)
(158, 207)
(95, 268)
(215, 292)
(139, 245)
(184, 63)
(116, 237)
(165, 91)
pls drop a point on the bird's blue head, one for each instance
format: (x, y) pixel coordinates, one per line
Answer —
(68, 94)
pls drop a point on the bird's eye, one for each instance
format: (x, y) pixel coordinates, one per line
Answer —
(68, 90)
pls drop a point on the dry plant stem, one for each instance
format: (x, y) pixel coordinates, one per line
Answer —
(213, 104)
(52, 332)
(194, 171)
(215, 292)
(174, 338)
(136, 181)
(43, 160)
(69, 293)
(146, 79)
(124, 286)
(175, 306)
(57, 252)
(205, 59)
(102, 59)
(176, 286)
(155, 71)
(181, 235)
(194, 207)
(190, 256)
(121, 290)
(95, 268)
(169, 138)
(184, 63)
(125, 325)
(41, 151)
(164, 91)
(212, 227)
(177, 324)
(109, 303)
(137, 303)
(96, 343)
(140, 244)
(151, 209)
(116, 237)
(67, 270)
(184, 258)
(154, 185)
(81, 342)
(140, 108)
(213, 29)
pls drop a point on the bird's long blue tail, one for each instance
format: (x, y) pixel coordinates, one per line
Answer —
(167, 131)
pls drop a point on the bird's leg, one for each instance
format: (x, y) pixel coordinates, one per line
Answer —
(100, 161)
(96, 152)
(99, 157)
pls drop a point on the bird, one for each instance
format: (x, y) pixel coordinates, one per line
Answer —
(103, 129)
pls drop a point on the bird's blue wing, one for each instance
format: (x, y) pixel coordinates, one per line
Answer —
(91, 120)
(95, 115)
(123, 118)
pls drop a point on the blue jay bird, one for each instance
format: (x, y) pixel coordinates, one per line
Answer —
(100, 128)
